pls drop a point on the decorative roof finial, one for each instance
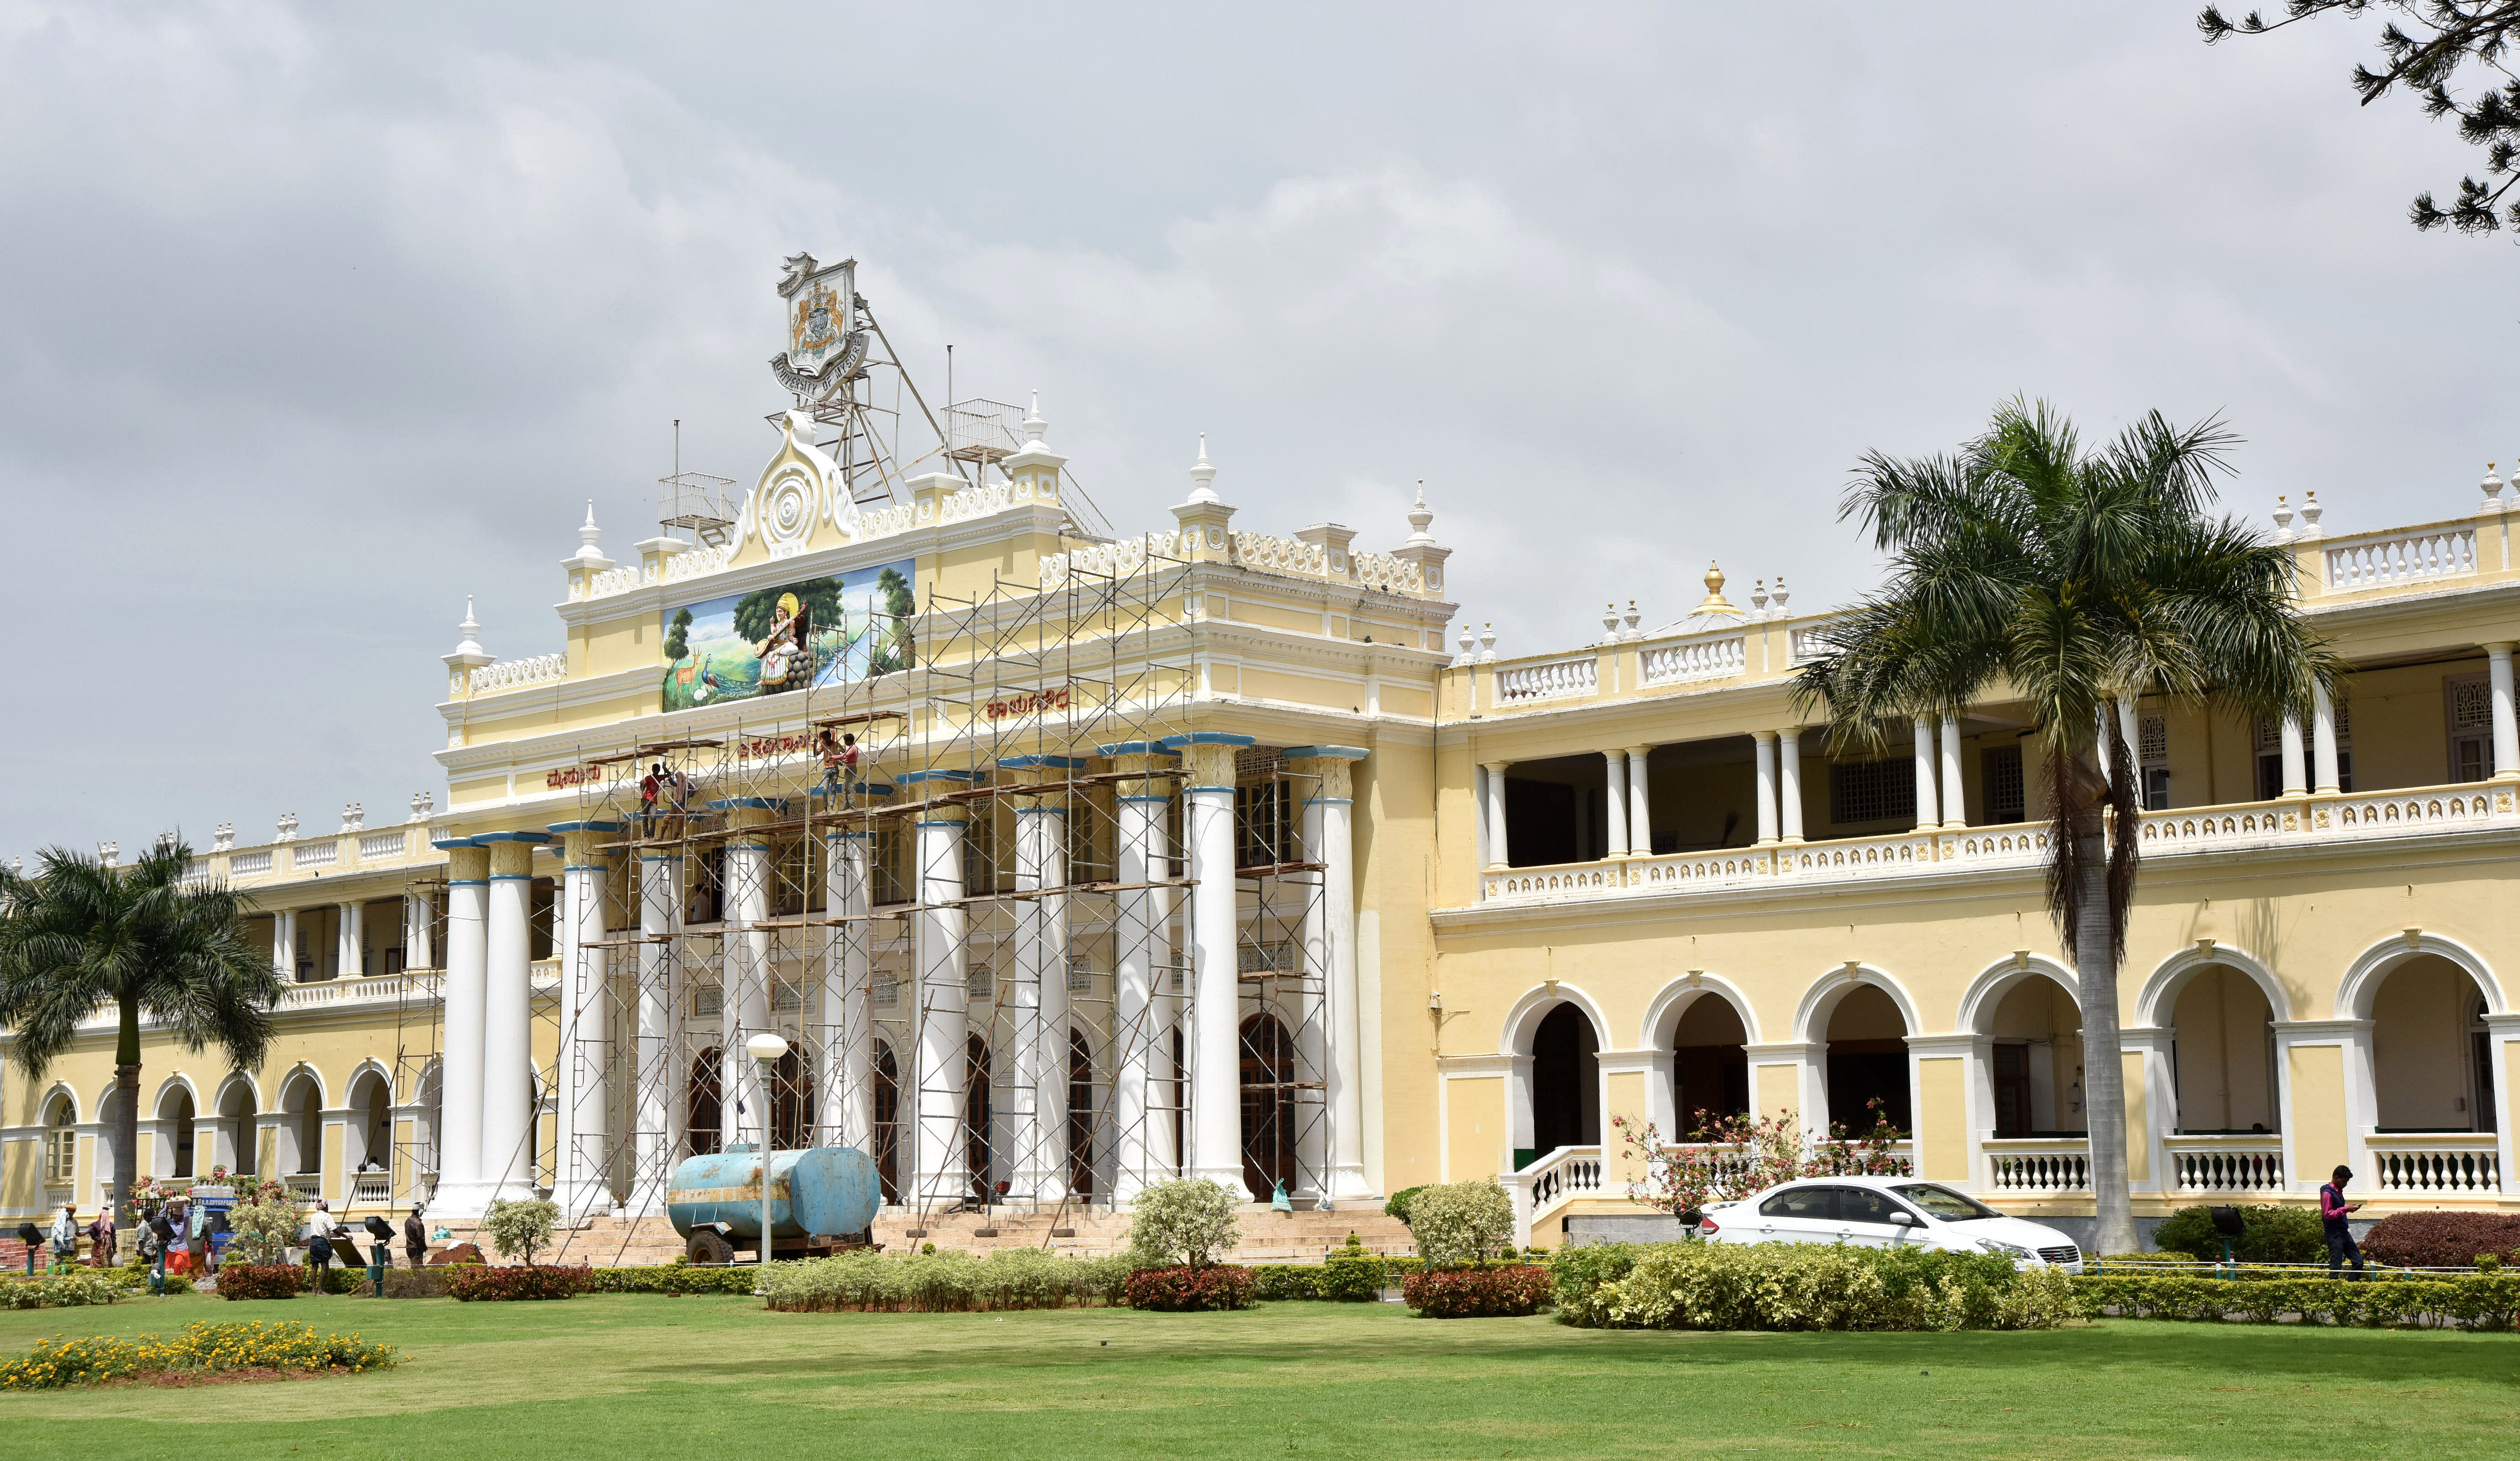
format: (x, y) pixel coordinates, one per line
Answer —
(472, 631)
(1034, 426)
(590, 552)
(1716, 602)
(2493, 487)
(1610, 622)
(1201, 475)
(1418, 516)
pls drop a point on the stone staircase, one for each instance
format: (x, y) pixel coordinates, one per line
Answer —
(1094, 1232)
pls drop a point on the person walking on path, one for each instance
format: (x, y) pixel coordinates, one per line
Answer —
(2333, 1210)
(64, 1237)
(415, 1238)
(99, 1239)
(318, 1235)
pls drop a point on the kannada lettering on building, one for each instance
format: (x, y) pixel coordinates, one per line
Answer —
(573, 776)
(758, 748)
(1034, 703)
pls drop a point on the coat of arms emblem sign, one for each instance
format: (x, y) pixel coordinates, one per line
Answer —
(824, 345)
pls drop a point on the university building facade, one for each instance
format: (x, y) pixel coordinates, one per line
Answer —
(1066, 861)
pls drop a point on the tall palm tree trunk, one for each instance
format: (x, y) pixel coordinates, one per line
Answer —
(126, 1112)
(2095, 969)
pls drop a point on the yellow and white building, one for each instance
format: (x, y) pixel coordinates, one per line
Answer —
(1216, 851)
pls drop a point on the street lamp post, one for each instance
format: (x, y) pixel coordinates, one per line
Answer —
(767, 1051)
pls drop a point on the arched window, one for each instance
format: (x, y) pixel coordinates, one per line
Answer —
(886, 1135)
(1080, 1113)
(975, 1118)
(61, 1142)
(1268, 1105)
(702, 1106)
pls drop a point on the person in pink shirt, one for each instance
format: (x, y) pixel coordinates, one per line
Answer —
(2333, 1210)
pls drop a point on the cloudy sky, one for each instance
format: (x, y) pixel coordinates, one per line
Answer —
(314, 320)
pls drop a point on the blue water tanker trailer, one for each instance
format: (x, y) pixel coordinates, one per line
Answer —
(821, 1198)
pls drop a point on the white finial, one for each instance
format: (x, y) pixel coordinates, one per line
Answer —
(2310, 510)
(2283, 520)
(470, 628)
(1759, 598)
(1418, 518)
(1635, 618)
(1610, 622)
(1201, 475)
(1470, 637)
(106, 852)
(1778, 596)
(1486, 642)
(419, 806)
(2493, 487)
(1034, 426)
(223, 836)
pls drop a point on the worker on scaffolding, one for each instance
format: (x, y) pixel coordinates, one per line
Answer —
(649, 786)
(840, 765)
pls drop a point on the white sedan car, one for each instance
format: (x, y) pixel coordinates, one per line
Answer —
(1887, 1213)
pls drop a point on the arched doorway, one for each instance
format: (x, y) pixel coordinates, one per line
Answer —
(887, 1125)
(1566, 1083)
(1867, 1061)
(1268, 1105)
(2431, 1061)
(2222, 1054)
(1710, 1066)
(239, 1147)
(703, 1104)
(1080, 1114)
(791, 1101)
(976, 1115)
(175, 1110)
(2035, 1060)
(301, 1130)
(368, 1139)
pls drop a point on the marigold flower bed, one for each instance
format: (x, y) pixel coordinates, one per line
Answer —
(256, 1344)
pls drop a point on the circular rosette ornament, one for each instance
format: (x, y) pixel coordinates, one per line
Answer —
(788, 510)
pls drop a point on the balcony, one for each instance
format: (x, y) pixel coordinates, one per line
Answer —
(2299, 822)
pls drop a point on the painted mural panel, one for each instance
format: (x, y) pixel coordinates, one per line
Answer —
(791, 637)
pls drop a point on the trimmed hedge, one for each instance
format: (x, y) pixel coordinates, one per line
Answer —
(260, 1280)
(60, 1291)
(1347, 1275)
(678, 1278)
(1182, 1288)
(469, 1282)
(2269, 1234)
(943, 1282)
(2486, 1300)
(1802, 1286)
(2441, 1240)
(1478, 1292)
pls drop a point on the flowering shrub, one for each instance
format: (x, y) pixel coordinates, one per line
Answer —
(1460, 1222)
(1186, 1221)
(2485, 1300)
(517, 1227)
(260, 1280)
(1184, 1289)
(1478, 1292)
(1732, 1156)
(2438, 1240)
(1805, 1286)
(263, 1223)
(65, 1291)
(468, 1282)
(943, 1282)
(249, 1344)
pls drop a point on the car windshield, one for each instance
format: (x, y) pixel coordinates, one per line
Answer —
(1944, 1203)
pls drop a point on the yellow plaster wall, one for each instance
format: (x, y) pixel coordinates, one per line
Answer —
(1942, 1120)
(2138, 1116)
(1476, 1115)
(1299, 689)
(2317, 1116)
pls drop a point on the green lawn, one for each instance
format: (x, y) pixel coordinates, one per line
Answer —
(707, 1378)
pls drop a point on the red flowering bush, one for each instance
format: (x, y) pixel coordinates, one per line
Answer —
(1182, 1288)
(260, 1280)
(1478, 1292)
(2441, 1240)
(468, 1282)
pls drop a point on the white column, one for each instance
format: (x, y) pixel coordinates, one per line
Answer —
(1955, 788)
(1143, 1140)
(459, 1072)
(507, 1026)
(349, 943)
(2130, 732)
(284, 943)
(2322, 744)
(940, 1165)
(845, 1106)
(1764, 756)
(1614, 803)
(1050, 1100)
(1928, 814)
(585, 1057)
(1498, 856)
(658, 1076)
(744, 975)
(2502, 1052)
(1639, 808)
(2296, 772)
(2506, 730)
(1216, 1038)
(2160, 1105)
(1789, 783)
(1330, 949)
(416, 914)
(1038, 997)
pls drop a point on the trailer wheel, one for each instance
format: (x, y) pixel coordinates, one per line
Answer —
(710, 1247)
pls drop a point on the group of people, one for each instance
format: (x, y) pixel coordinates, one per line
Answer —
(174, 1237)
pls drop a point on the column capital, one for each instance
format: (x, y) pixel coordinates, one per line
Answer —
(1764, 737)
(1640, 752)
(2502, 647)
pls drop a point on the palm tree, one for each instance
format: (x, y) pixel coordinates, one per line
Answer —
(81, 934)
(2025, 566)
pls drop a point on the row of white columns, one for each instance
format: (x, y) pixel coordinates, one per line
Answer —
(486, 1074)
(349, 943)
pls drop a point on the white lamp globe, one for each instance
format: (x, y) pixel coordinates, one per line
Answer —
(767, 1048)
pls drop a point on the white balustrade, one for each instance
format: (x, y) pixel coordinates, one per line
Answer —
(308, 1186)
(1900, 852)
(2376, 561)
(1691, 659)
(372, 1188)
(250, 864)
(1556, 1179)
(1148, 552)
(392, 844)
(2226, 1163)
(697, 561)
(1383, 572)
(2388, 812)
(2038, 1165)
(1549, 679)
(2428, 1162)
(1277, 555)
(512, 674)
(315, 854)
